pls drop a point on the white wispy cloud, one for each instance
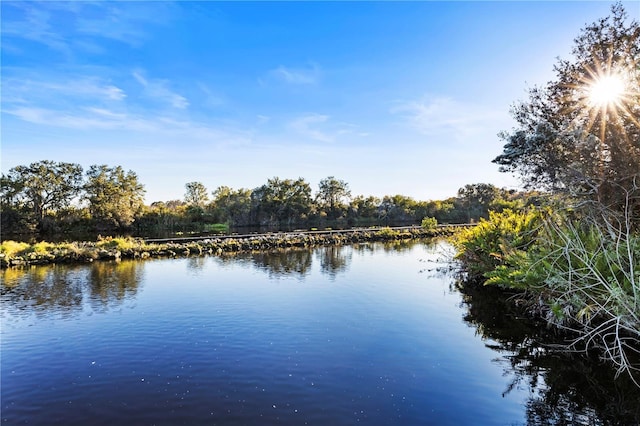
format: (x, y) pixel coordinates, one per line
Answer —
(126, 22)
(322, 128)
(308, 75)
(35, 89)
(308, 126)
(35, 25)
(211, 98)
(158, 89)
(262, 119)
(79, 120)
(88, 119)
(66, 26)
(444, 115)
(96, 103)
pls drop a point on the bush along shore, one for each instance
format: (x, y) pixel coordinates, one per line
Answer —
(18, 254)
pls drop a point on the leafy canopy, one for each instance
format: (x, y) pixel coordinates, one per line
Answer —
(580, 134)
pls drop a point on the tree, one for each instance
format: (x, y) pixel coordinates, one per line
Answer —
(114, 197)
(331, 194)
(41, 187)
(231, 205)
(580, 134)
(398, 208)
(477, 198)
(196, 194)
(364, 208)
(281, 201)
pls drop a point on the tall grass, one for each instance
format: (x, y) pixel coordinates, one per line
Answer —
(118, 243)
(592, 273)
(11, 248)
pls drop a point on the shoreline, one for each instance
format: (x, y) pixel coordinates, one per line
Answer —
(114, 249)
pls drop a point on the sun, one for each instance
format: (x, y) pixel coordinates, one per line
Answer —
(606, 91)
(605, 100)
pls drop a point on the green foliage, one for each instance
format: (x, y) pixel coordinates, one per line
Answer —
(364, 207)
(40, 188)
(118, 243)
(583, 264)
(429, 223)
(196, 194)
(476, 199)
(387, 232)
(590, 268)
(586, 273)
(331, 194)
(591, 276)
(115, 197)
(216, 227)
(41, 247)
(232, 206)
(282, 201)
(496, 242)
(11, 248)
(115, 202)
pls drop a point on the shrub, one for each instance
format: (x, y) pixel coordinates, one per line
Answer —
(387, 232)
(117, 243)
(497, 242)
(41, 247)
(11, 248)
(429, 223)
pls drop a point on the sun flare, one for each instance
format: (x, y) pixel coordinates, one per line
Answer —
(606, 90)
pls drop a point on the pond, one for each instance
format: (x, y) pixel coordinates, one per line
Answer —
(374, 334)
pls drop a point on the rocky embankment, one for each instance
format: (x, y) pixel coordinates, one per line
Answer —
(13, 254)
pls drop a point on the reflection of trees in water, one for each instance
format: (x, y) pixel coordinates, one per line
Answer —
(364, 248)
(43, 288)
(393, 246)
(397, 246)
(566, 388)
(284, 262)
(64, 289)
(293, 261)
(111, 283)
(196, 263)
(334, 259)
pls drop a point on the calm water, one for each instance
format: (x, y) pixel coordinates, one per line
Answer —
(369, 334)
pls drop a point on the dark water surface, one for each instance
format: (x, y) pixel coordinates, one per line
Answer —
(367, 334)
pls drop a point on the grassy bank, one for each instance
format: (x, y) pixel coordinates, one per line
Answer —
(581, 276)
(17, 254)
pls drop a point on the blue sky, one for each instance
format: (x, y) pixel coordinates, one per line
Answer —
(392, 97)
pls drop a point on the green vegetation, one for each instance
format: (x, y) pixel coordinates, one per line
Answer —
(332, 193)
(578, 260)
(12, 248)
(116, 248)
(115, 197)
(429, 223)
(497, 243)
(387, 232)
(39, 199)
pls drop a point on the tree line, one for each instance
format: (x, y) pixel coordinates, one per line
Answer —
(49, 197)
(53, 197)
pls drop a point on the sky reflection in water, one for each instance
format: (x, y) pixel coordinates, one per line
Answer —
(337, 335)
